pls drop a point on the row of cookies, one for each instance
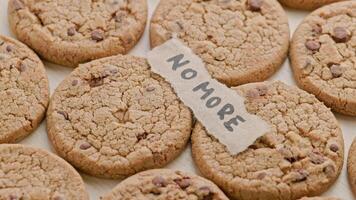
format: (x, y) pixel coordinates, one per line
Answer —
(97, 109)
(113, 117)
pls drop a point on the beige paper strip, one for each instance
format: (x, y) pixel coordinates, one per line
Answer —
(220, 109)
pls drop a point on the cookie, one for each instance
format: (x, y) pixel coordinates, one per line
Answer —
(239, 41)
(165, 184)
(70, 33)
(319, 198)
(302, 154)
(32, 173)
(306, 4)
(351, 166)
(24, 90)
(323, 56)
(113, 117)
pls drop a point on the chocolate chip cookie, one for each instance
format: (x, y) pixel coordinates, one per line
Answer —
(306, 4)
(32, 173)
(319, 198)
(113, 117)
(323, 56)
(69, 33)
(302, 154)
(24, 90)
(239, 41)
(162, 184)
(351, 166)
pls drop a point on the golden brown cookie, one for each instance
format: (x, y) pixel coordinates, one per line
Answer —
(69, 33)
(319, 198)
(113, 117)
(164, 184)
(302, 154)
(239, 41)
(351, 166)
(323, 56)
(306, 4)
(34, 174)
(24, 90)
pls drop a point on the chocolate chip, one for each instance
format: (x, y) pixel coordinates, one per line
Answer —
(340, 35)
(159, 181)
(313, 45)
(334, 147)
(317, 29)
(18, 5)
(255, 5)
(75, 82)
(261, 175)
(336, 71)
(64, 114)
(22, 67)
(316, 158)
(302, 175)
(85, 146)
(141, 136)
(96, 82)
(9, 48)
(97, 35)
(329, 170)
(150, 89)
(183, 183)
(58, 197)
(71, 31)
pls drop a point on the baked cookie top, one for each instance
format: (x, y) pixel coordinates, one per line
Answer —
(69, 33)
(113, 117)
(323, 55)
(32, 173)
(319, 198)
(306, 4)
(24, 90)
(239, 41)
(162, 184)
(301, 155)
(351, 166)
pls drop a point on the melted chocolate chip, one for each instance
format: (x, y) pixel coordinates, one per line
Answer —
(159, 181)
(301, 176)
(141, 136)
(75, 82)
(317, 29)
(57, 197)
(21, 67)
(150, 89)
(316, 158)
(336, 71)
(9, 48)
(96, 82)
(255, 5)
(261, 175)
(71, 31)
(206, 193)
(329, 170)
(183, 183)
(340, 35)
(313, 45)
(97, 35)
(64, 114)
(334, 147)
(85, 146)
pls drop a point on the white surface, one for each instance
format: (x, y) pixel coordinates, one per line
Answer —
(97, 187)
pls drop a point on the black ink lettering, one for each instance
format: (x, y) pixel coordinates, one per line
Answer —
(233, 121)
(177, 61)
(228, 109)
(213, 102)
(189, 74)
(203, 87)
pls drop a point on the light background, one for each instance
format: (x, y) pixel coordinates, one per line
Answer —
(97, 187)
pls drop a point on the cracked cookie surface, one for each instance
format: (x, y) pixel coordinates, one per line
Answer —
(302, 154)
(113, 117)
(33, 174)
(24, 90)
(69, 33)
(163, 184)
(351, 166)
(323, 56)
(239, 41)
(306, 4)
